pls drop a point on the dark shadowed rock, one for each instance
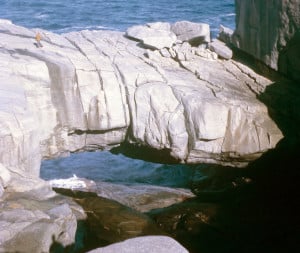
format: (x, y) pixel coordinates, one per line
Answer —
(270, 32)
(109, 221)
(225, 34)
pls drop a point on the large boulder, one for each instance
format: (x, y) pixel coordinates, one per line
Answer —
(270, 32)
(96, 89)
(195, 33)
(221, 49)
(109, 221)
(32, 221)
(145, 244)
(154, 35)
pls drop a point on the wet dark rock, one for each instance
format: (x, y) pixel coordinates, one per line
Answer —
(109, 221)
(236, 214)
(219, 183)
(193, 224)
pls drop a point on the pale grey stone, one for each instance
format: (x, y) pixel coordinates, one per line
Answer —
(155, 35)
(195, 33)
(144, 244)
(270, 33)
(142, 197)
(107, 84)
(206, 53)
(165, 53)
(184, 51)
(5, 176)
(28, 224)
(221, 49)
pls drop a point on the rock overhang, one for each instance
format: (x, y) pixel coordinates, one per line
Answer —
(98, 89)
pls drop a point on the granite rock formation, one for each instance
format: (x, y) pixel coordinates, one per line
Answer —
(96, 89)
(32, 221)
(270, 31)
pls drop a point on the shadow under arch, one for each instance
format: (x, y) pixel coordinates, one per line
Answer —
(263, 216)
(289, 58)
(272, 202)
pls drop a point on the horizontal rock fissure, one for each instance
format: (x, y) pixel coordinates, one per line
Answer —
(95, 132)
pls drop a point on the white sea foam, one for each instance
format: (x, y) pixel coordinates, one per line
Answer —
(80, 28)
(41, 16)
(72, 183)
(228, 15)
(5, 21)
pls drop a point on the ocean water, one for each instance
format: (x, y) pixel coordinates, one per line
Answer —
(62, 16)
(105, 166)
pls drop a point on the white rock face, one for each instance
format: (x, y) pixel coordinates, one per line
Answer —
(145, 244)
(5, 178)
(96, 89)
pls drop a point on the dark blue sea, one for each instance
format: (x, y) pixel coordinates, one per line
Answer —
(62, 16)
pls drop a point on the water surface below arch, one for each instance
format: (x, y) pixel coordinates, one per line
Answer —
(105, 166)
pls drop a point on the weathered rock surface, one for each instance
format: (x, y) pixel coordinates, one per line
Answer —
(142, 198)
(195, 33)
(97, 89)
(221, 49)
(154, 35)
(33, 221)
(270, 32)
(144, 244)
(109, 221)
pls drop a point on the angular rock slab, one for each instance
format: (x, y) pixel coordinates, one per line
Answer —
(154, 35)
(30, 224)
(195, 33)
(221, 49)
(139, 197)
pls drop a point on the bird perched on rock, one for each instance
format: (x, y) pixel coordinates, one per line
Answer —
(38, 38)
